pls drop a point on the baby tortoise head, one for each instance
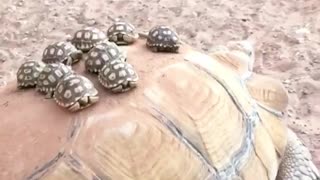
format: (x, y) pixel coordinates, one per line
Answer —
(28, 73)
(244, 47)
(118, 76)
(84, 39)
(75, 92)
(61, 52)
(163, 39)
(101, 54)
(122, 33)
(50, 76)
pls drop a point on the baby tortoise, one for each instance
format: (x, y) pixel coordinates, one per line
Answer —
(28, 73)
(102, 53)
(122, 33)
(50, 76)
(61, 52)
(75, 92)
(163, 39)
(84, 39)
(118, 76)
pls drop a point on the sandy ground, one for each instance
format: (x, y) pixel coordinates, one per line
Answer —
(287, 33)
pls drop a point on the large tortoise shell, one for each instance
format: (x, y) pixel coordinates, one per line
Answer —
(190, 118)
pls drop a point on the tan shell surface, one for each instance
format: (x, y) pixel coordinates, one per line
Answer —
(269, 92)
(179, 123)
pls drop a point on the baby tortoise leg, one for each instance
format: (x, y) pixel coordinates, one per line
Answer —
(83, 102)
(49, 95)
(74, 107)
(69, 61)
(297, 162)
(117, 89)
(130, 38)
(114, 38)
(76, 56)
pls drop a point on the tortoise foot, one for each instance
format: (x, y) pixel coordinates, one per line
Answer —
(297, 163)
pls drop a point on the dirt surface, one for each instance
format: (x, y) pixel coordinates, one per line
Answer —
(287, 38)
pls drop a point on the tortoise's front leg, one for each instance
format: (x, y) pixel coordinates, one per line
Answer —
(297, 162)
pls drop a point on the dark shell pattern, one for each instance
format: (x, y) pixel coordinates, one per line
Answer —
(88, 37)
(163, 38)
(117, 73)
(51, 75)
(72, 88)
(117, 30)
(59, 52)
(101, 54)
(28, 73)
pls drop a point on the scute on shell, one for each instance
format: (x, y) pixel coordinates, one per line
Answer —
(28, 73)
(84, 39)
(101, 54)
(122, 33)
(163, 38)
(51, 75)
(61, 52)
(118, 76)
(72, 88)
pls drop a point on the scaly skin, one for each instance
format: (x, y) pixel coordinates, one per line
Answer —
(297, 163)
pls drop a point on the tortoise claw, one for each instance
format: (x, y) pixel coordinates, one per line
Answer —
(74, 107)
(49, 95)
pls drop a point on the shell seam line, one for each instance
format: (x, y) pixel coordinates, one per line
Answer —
(167, 122)
(45, 168)
(250, 119)
(40, 172)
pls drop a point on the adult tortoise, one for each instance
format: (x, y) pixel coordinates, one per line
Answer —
(190, 117)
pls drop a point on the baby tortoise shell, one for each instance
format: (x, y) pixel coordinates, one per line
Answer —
(75, 92)
(84, 39)
(118, 76)
(28, 73)
(102, 53)
(50, 76)
(61, 52)
(163, 39)
(122, 33)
